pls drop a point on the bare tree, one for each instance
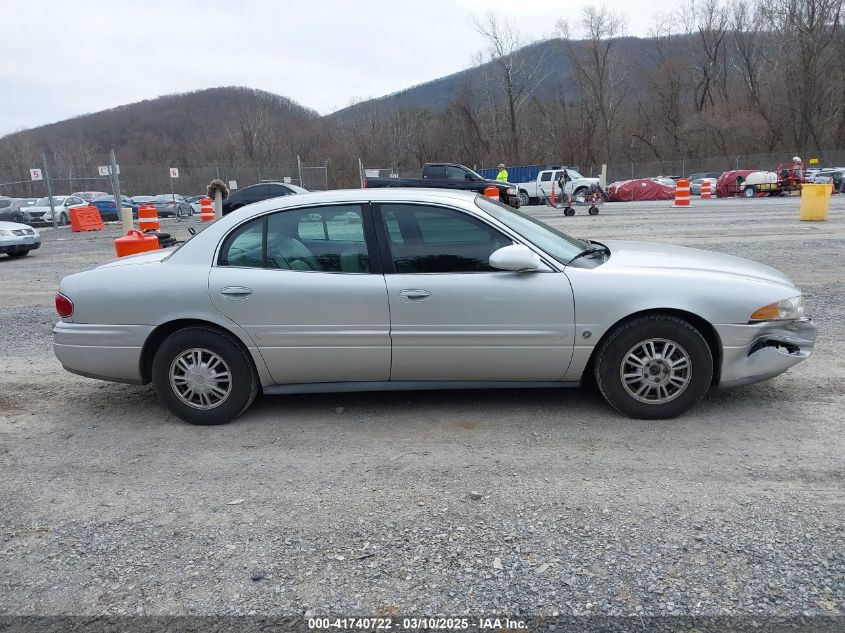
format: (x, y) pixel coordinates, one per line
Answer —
(598, 70)
(520, 71)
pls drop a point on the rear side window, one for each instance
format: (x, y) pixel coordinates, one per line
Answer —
(244, 246)
(435, 171)
(320, 239)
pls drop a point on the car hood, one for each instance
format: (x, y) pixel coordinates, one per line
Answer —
(14, 226)
(150, 257)
(649, 256)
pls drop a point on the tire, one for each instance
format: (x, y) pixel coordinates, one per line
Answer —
(62, 219)
(19, 254)
(569, 211)
(594, 210)
(578, 194)
(210, 347)
(749, 192)
(682, 386)
(524, 200)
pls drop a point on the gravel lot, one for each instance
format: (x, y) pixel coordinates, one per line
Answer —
(481, 502)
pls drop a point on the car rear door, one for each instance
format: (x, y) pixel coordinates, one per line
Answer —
(453, 317)
(302, 283)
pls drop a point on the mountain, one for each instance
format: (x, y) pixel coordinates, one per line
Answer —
(549, 56)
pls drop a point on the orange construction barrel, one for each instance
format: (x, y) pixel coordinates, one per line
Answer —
(135, 242)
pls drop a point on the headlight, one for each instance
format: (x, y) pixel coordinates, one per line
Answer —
(786, 310)
(511, 191)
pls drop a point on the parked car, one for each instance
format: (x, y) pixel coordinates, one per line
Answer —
(88, 196)
(171, 205)
(259, 192)
(576, 187)
(695, 185)
(836, 175)
(16, 240)
(705, 174)
(450, 176)
(387, 289)
(41, 214)
(194, 201)
(666, 181)
(142, 199)
(15, 209)
(108, 210)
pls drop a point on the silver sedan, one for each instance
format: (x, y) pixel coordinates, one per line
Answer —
(392, 289)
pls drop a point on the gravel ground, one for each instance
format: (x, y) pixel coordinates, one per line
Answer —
(528, 503)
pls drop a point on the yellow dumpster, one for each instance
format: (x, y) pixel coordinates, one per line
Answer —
(815, 201)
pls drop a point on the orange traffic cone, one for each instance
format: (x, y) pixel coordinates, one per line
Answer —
(682, 193)
(206, 210)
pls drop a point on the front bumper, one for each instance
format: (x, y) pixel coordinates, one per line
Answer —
(105, 352)
(19, 245)
(760, 351)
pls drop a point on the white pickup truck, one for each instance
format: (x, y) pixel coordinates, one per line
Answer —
(535, 191)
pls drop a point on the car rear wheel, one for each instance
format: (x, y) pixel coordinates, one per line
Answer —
(654, 367)
(19, 254)
(203, 376)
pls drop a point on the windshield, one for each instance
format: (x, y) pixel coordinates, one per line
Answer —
(559, 245)
(45, 202)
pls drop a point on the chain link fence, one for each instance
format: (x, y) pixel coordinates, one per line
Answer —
(145, 179)
(628, 170)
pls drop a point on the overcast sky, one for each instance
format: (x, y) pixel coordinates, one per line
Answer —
(60, 59)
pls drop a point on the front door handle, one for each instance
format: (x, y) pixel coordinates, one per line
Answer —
(415, 296)
(236, 292)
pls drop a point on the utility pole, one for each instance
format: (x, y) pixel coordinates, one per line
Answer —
(118, 201)
(299, 167)
(49, 188)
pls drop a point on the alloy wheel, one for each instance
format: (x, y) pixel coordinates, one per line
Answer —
(656, 371)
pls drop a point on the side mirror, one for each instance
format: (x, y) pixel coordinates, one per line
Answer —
(516, 257)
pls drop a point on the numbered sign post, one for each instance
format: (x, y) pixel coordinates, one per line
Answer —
(36, 174)
(174, 173)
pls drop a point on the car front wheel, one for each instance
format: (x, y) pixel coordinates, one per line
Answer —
(62, 219)
(654, 367)
(203, 376)
(524, 200)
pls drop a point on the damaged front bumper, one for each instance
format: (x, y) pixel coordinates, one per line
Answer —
(759, 351)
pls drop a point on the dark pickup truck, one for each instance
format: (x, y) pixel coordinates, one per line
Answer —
(450, 176)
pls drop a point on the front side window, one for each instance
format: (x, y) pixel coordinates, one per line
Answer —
(559, 245)
(427, 239)
(456, 173)
(545, 176)
(322, 239)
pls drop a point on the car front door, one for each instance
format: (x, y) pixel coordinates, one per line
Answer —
(302, 283)
(455, 318)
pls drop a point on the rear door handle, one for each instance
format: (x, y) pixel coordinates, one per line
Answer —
(236, 292)
(416, 296)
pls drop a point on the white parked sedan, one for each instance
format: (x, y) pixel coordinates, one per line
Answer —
(424, 289)
(16, 240)
(41, 212)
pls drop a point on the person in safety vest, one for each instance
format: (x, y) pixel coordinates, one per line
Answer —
(502, 176)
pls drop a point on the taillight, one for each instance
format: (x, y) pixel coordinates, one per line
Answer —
(365, 184)
(64, 306)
